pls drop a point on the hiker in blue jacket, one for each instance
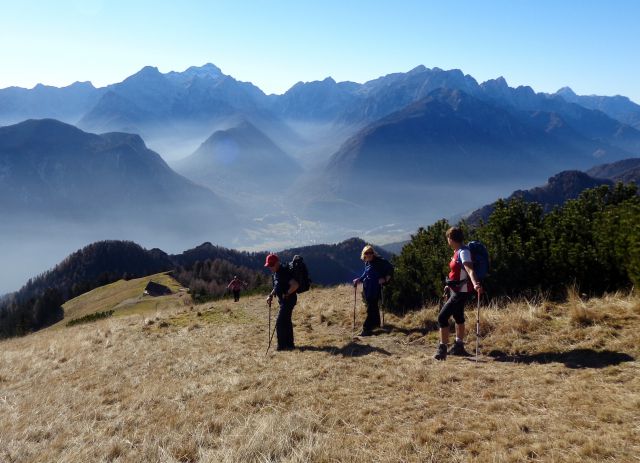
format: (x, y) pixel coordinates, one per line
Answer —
(377, 272)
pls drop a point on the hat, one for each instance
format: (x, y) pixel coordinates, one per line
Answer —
(272, 259)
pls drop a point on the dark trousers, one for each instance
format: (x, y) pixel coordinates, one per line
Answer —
(454, 307)
(236, 295)
(284, 325)
(373, 314)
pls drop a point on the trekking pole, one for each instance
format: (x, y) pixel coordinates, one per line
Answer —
(355, 295)
(269, 330)
(382, 304)
(477, 327)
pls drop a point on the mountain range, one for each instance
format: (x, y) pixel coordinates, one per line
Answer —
(150, 101)
(450, 143)
(323, 161)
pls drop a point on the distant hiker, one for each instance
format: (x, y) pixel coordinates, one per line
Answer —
(235, 286)
(461, 283)
(284, 288)
(377, 272)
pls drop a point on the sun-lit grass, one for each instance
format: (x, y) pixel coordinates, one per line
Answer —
(125, 297)
(189, 384)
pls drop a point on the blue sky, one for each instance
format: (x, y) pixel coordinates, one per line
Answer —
(592, 46)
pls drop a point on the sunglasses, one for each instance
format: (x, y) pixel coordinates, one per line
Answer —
(368, 253)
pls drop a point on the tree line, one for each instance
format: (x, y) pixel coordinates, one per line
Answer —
(209, 278)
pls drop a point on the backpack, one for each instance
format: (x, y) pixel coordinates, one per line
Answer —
(480, 258)
(383, 267)
(300, 273)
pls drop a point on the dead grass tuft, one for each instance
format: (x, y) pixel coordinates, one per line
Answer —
(115, 451)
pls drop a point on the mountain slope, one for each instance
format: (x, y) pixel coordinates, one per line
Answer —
(627, 170)
(238, 160)
(126, 297)
(568, 185)
(54, 169)
(39, 302)
(442, 147)
(618, 107)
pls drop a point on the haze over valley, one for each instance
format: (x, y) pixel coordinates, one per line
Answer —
(174, 159)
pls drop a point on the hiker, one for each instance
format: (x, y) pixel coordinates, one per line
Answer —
(461, 283)
(235, 286)
(284, 288)
(377, 272)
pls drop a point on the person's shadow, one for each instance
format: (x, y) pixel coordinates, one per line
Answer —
(353, 349)
(427, 327)
(576, 358)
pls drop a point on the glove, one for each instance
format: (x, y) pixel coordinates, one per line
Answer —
(355, 282)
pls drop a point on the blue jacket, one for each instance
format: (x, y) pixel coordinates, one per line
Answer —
(373, 271)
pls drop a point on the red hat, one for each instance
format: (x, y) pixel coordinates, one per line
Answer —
(272, 259)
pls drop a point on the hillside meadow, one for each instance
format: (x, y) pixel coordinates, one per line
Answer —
(192, 383)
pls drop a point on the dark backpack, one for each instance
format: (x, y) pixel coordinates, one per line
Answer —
(300, 273)
(480, 258)
(383, 267)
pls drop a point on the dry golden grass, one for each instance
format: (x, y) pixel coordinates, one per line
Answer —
(195, 386)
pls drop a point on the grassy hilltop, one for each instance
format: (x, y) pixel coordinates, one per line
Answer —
(184, 383)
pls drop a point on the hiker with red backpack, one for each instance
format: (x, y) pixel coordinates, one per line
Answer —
(461, 283)
(236, 286)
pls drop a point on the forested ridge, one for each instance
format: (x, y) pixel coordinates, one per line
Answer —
(205, 270)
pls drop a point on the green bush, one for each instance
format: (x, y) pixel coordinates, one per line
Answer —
(90, 318)
(592, 242)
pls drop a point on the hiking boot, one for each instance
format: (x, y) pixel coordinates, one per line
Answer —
(366, 333)
(442, 352)
(459, 350)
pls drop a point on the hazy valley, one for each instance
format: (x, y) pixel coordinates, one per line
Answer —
(322, 162)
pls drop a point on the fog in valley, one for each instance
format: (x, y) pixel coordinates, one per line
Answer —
(215, 159)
